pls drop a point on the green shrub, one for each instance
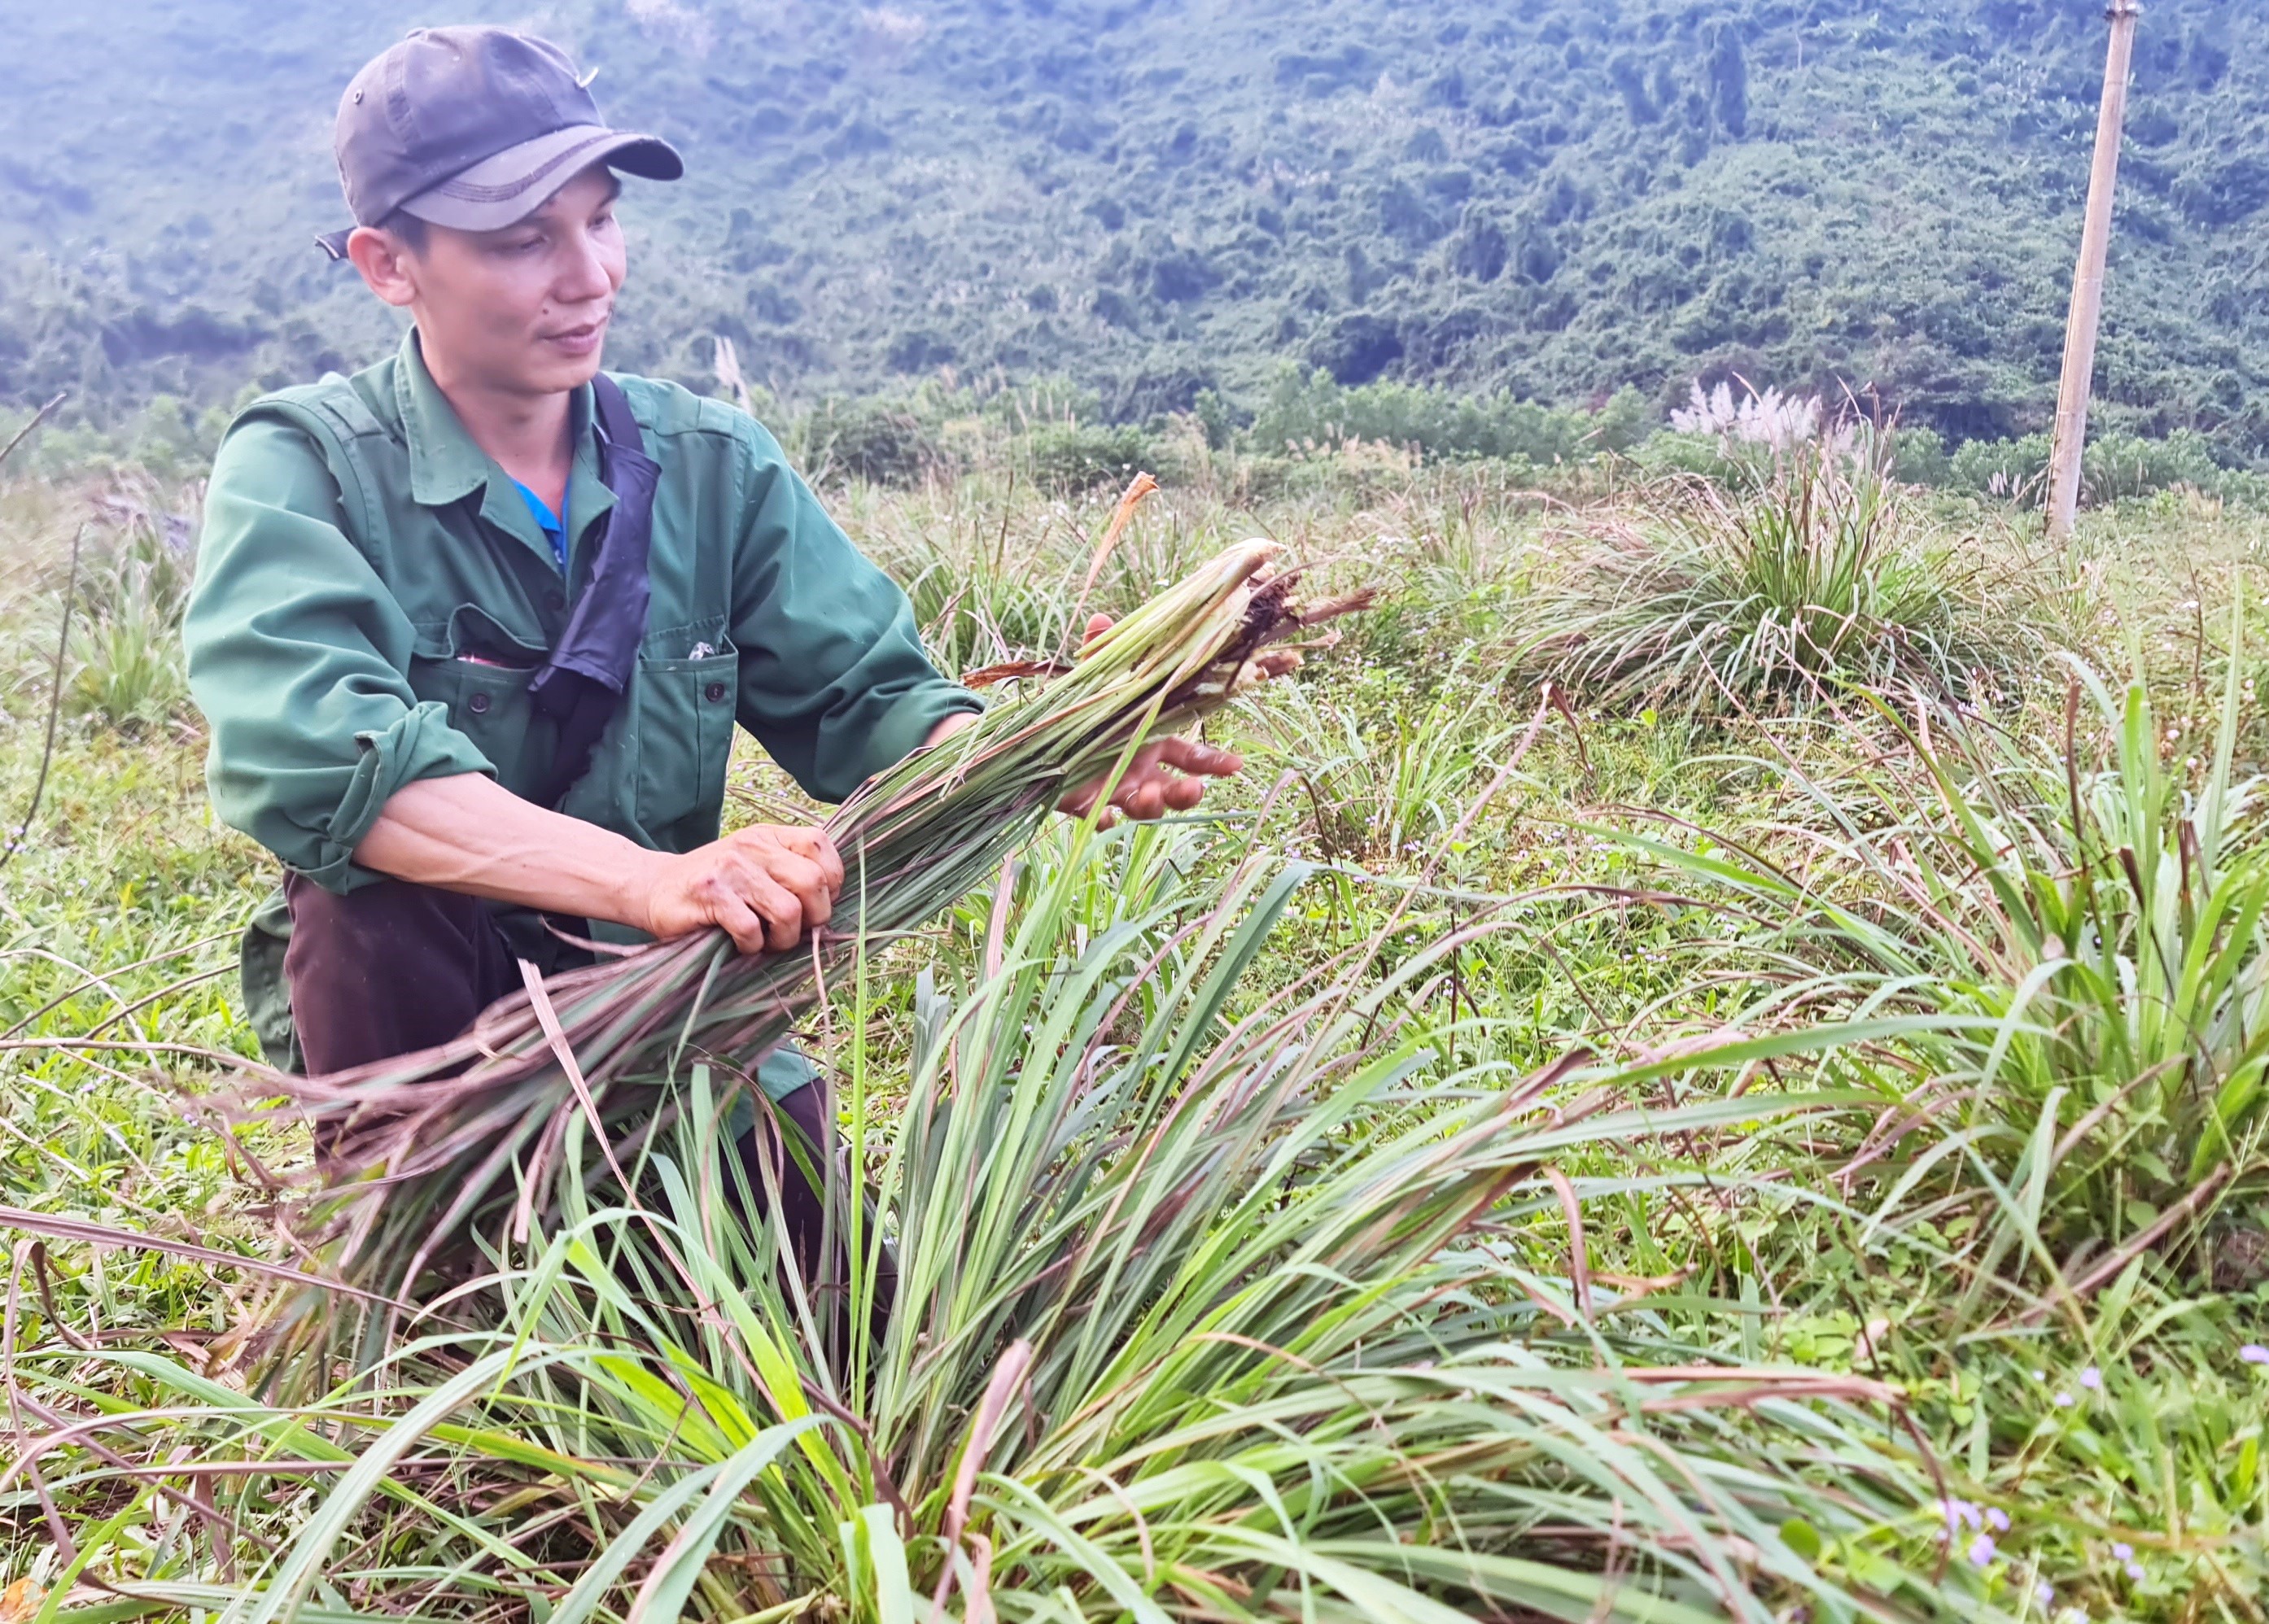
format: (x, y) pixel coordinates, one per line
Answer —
(1918, 456)
(2115, 466)
(1306, 410)
(1080, 456)
(1216, 418)
(165, 438)
(877, 442)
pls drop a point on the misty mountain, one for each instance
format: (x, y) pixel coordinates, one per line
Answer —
(1151, 197)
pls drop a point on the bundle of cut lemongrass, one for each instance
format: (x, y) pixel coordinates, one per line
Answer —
(423, 1147)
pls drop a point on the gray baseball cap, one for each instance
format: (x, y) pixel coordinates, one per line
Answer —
(475, 128)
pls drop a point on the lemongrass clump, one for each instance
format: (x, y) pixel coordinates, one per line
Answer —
(1179, 1302)
(423, 1144)
(1804, 578)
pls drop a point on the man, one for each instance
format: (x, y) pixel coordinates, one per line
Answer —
(472, 629)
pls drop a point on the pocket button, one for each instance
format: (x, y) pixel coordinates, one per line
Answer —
(714, 692)
(479, 704)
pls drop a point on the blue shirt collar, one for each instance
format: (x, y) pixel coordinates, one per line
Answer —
(554, 526)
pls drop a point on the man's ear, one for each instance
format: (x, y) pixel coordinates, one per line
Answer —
(386, 265)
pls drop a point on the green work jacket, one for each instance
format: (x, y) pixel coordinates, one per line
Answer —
(371, 588)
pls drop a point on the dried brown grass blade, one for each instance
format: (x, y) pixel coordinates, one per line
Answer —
(1141, 485)
(546, 1016)
(1008, 1376)
(40, 416)
(2110, 1267)
(1008, 1373)
(980, 1610)
(1579, 1252)
(106, 1235)
(986, 676)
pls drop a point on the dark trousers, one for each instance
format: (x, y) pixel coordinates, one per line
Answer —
(395, 967)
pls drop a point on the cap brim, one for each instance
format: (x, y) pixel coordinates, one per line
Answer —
(517, 181)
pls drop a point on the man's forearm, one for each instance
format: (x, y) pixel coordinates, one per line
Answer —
(467, 834)
(948, 727)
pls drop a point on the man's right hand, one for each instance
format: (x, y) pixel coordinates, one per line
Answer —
(765, 886)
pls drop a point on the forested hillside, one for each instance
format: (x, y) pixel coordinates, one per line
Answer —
(1151, 197)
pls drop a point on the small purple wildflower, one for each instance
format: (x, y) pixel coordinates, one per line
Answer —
(1981, 1551)
(2040, 1376)
(2091, 1378)
(1957, 1514)
(1998, 1518)
(2063, 1401)
(2044, 1593)
(2253, 1353)
(2121, 1551)
(2134, 1570)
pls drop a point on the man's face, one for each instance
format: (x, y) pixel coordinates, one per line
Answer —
(522, 310)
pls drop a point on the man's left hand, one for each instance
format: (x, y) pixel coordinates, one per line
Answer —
(1170, 775)
(1166, 776)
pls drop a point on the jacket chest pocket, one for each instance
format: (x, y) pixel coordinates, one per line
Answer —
(683, 716)
(480, 672)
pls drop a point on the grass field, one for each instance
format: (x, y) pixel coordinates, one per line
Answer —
(1893, 888)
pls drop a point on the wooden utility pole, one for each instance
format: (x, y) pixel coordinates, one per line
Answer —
(2088, 281)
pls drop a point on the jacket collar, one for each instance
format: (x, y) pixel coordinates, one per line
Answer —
(446, 465)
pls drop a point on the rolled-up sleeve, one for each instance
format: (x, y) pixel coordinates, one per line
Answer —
(834, 681)
(299, 657)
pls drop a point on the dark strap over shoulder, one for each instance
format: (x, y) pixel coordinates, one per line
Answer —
(590, 667)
